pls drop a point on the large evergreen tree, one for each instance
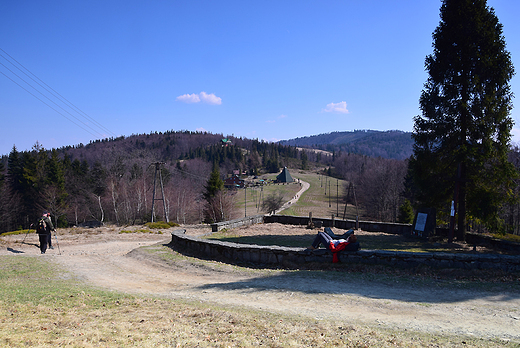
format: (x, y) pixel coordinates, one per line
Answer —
(463, 135)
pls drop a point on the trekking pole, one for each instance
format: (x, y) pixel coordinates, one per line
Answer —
(27, 233)
(58, 244)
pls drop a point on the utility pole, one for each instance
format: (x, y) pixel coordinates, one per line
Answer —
(357, 211)
(158, 169)
(351, 189)
(260, 198)
(326, 179)
(337, 197)
(329, 194)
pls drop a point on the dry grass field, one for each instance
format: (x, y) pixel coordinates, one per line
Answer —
(317, 199)
(125, 287)
(95, 293)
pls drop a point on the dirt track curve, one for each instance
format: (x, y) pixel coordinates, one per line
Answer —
(116, 261)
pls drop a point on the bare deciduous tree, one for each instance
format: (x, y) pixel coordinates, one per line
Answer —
(273, 202)
(219, 207)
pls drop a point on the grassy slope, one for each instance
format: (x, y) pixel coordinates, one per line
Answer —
(254, 196)
(315, 200)
(43, 306)
(323, 198)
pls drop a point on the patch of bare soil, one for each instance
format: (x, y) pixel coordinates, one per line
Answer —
(105, 258)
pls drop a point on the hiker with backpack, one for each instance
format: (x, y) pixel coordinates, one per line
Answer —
(44, 230)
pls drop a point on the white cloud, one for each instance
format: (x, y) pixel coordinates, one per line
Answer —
(279, 117)
(189, 98)
(337, 108)
(210, 98)
(204, 97)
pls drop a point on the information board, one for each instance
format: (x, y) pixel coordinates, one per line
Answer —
(424, 223)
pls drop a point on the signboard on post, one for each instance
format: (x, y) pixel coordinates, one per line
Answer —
(424, 223)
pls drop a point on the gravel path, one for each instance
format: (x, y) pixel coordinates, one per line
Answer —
(305, 186)
(115, 261)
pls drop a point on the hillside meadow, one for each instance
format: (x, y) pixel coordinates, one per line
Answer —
(326, 196)
(42, 305)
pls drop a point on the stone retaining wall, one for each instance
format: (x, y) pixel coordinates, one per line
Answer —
(246, 221)
(369, 226)
(285, 256)
(393, 228)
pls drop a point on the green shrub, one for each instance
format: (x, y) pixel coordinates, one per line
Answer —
(157, 225)
(406, 214)
(141, 230)
(17, 232)
(509, 237)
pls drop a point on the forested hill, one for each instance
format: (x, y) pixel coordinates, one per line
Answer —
(388, 144)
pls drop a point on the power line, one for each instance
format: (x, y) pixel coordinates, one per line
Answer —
(55, 95)
(52, 101)
(47, 104)
(188, 173)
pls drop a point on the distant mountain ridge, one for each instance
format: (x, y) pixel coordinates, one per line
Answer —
(393, 144)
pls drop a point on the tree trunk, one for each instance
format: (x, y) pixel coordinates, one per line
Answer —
(461, 225)
(464, 119)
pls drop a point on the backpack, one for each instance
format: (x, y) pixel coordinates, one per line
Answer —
(42, 227)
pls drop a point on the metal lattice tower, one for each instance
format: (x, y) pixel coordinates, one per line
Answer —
(158, 169)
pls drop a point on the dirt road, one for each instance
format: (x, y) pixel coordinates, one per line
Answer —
(305, 186)
(115, 261)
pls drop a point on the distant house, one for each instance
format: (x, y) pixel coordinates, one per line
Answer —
(284, 176)
(226, 142)
(233, 182)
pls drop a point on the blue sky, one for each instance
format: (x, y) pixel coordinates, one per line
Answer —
(270, 70)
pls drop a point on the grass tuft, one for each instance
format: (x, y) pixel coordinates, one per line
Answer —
(161, 224)
(14, 233)
(509, 237)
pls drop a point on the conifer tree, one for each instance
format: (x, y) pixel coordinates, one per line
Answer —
(215, 183)
(463, 135)
(2, 176)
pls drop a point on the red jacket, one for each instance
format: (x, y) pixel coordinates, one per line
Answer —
(337, 248)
